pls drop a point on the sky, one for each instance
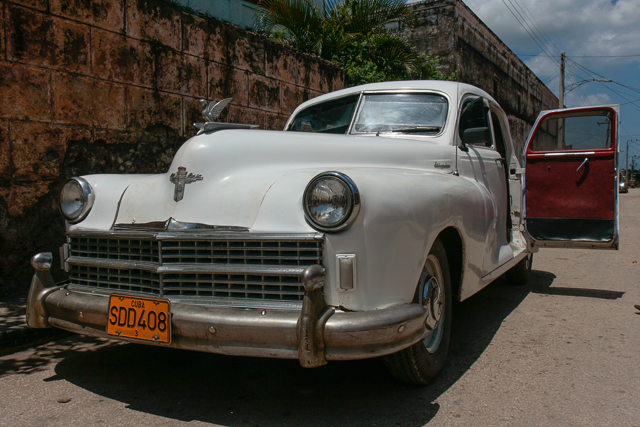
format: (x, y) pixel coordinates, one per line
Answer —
(601, 39)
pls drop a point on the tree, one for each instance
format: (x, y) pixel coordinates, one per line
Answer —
(355, 34)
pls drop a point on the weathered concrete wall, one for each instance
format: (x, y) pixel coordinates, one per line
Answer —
(450, 30)
(112, 86)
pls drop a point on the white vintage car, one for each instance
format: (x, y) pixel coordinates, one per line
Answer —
(346, 236)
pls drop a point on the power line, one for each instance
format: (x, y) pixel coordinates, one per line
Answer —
(593, 73)
(546, 37)
(535, 40)
(586, 56)
(629, 102)
(580, 90)
(533, 25)
(553, 76)
(628, 87)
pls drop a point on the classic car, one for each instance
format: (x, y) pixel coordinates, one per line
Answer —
(622, 186)
(346, 236)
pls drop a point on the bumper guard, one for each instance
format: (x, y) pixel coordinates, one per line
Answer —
(313, 335)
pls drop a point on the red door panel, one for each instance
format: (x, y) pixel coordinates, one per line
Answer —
(570, 178)
(557, 189)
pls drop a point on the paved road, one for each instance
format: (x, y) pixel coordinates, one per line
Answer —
(562, 351)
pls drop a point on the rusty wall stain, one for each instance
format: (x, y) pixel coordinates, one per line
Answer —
(112, 86)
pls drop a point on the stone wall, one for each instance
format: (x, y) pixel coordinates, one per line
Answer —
(450, 30)
(112, 86)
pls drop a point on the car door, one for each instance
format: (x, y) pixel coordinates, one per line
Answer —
(571, 182)
(480, 160)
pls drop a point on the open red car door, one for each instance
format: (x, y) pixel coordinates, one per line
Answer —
(571, 183)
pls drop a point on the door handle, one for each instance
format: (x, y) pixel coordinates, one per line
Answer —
(586, 159)
(500, 160)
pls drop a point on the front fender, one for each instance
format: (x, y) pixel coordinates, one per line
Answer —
(402, 213)
(108, 193)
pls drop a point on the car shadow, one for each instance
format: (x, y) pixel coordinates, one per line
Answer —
(242, 391)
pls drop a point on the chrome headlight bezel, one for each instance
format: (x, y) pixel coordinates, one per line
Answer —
(88, 197)
(351, 212)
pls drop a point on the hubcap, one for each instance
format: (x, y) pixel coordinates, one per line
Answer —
(433, 302)
(433, 299)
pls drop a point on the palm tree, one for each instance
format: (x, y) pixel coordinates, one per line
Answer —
(353, 33)
(324, 32)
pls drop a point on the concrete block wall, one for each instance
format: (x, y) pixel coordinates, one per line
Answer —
(112, 86)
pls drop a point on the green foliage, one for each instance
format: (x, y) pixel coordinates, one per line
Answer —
(354, 34)
(387, 57)
(427, 67)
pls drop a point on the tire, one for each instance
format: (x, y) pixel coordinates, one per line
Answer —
(423, 361)
(520, 273)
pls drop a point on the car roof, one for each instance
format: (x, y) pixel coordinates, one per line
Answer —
(451, 88)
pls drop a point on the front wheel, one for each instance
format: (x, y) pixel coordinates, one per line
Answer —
(423, 361)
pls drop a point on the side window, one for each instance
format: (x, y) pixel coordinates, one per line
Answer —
(474, 126)
(329, 117)
(501, 147)
(570, 132)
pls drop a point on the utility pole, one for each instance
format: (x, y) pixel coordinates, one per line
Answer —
(561, 91)
(561, 104)
(626, 169)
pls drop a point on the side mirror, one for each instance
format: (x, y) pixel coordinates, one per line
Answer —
(477, 136)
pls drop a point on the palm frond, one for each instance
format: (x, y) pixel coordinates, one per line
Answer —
(368, 15)
(298, 20)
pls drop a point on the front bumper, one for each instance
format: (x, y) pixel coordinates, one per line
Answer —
(314, 334)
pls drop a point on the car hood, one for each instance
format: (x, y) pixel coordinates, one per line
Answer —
(233, 170)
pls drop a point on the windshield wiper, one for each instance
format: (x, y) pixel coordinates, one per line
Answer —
(411, 129)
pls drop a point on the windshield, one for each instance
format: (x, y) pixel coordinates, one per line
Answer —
(329, 117)
(415, 113)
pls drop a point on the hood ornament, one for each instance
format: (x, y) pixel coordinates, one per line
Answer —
(214, 109)
(211, 112)
(180, 179)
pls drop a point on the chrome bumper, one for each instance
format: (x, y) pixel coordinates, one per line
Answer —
(314, 334)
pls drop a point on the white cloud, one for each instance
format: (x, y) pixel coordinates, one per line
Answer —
(578, 27)
(578, 99)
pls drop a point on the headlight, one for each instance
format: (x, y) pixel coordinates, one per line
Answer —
(76, 199)
(331, 201)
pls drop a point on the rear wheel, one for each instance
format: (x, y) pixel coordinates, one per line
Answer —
(520, 273)
(421, 363)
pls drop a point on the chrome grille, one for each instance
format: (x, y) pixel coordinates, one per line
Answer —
(118, 249)
(116, 279)
(282, 288)
(241, 252)
(230, 266)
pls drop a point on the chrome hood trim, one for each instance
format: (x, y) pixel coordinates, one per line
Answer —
(173, 225)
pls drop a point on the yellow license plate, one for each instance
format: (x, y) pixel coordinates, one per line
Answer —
(140, 318)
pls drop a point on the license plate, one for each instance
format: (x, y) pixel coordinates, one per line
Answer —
(139, 318)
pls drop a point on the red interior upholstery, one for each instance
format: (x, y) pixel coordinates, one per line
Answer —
(561, 185)
(555, 190)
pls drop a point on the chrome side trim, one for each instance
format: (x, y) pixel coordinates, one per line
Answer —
(580, 154)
